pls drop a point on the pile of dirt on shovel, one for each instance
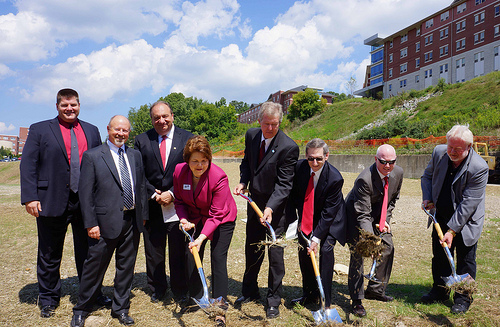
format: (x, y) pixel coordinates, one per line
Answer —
(368, 245)
(466, 286)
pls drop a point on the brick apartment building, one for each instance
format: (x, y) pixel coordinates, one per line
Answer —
(285, 98)
(457, 43)
(15, 143)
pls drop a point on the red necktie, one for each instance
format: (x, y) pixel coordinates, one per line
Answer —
(163, 150)
(383, 214)
(262, 151)
(308, 209)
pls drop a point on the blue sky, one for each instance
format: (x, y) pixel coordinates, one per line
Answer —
(120, 54)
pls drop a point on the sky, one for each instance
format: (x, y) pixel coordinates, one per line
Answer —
(121, 54)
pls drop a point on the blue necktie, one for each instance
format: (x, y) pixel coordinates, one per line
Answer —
(128, 198)
(74, 164)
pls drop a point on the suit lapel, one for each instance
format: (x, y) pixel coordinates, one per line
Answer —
(321, 186)
(155, 147)
(270, 150)
(131, 161)
(442, 168)
(108, 159)
(54, 126)
(174, 149)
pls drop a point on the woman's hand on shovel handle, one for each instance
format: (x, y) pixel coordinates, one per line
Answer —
(199, 240)
(186, 224)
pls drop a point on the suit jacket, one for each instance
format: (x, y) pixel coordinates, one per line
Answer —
(329, 216)
(271, 181)
(101, 193)
(468, 191)
(45, 169)
(211, 202)
(158, 177)
(364, 201)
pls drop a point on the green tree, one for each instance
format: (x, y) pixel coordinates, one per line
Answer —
(239, 106)
(4, 152)
(305, 105)
(218, 124)
(140, 121)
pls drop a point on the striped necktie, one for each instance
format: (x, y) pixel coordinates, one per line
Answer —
(128, 198)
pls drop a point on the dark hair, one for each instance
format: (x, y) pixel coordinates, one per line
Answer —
(67, 93)
(160, 102)
(197, 143)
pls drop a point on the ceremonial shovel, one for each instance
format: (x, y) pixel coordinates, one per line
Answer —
(371, 275)
(453, 278)
(204, 302)
(322, 315)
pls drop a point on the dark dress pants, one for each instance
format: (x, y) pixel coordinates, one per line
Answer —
(326, 262)
(465, 264)
(382, 271)
(219, 247)
(155, 238)
(51, 234)
(254, 256)
(100, 252)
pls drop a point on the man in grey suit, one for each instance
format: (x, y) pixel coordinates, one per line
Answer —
(454, 183)
(372, 199)
(161, 148)
(268, 167)
(114, 206)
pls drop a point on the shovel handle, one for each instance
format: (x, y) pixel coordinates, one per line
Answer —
(440, 234)
(196, 257)
(257, 209)
(315, 265)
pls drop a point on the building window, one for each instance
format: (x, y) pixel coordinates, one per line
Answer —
(403, 53)
(428, 56)
(402, 83)
(403, 68)
(417, 78)
(404, 38)
(460, 63)
(479, 37)
(428, 73)
(417, 46)
(461, 44)
(418, 31)
(443, 68)
(461, 26)
(390, 57)
(390, 87)
(479, 57)
(497, 30)
(497, 11)
(479, 18)
(443, 33)
(478, 2)
(429, 23)
(417, 63)
(390, 72)
(443, 51)
(390, 44)
(428, 39)
(461, 7)
(445, 16)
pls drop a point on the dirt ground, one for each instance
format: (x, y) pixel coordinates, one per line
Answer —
(411, 276)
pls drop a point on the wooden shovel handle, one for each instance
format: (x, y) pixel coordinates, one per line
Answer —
(315, 265)
(196, 256)
(440, 234)
(257, 210)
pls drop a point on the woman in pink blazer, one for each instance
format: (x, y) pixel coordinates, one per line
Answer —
(203, 198)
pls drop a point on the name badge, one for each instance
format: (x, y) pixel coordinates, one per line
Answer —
(186, 187)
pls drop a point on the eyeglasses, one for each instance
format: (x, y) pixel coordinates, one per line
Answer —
(385, 162)
(311, 159)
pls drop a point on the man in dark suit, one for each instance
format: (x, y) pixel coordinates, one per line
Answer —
(49, 189)
(268, 167)
(114, 205)
(317, 200)
(454, 183)
(369, 207)
(161, 148)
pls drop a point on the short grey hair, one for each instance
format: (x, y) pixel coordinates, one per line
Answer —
(160, 102)
(461, 132)
(271, 109)
(316, 144)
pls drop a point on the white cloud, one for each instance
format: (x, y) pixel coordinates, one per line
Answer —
(4, 129)
(5, 71)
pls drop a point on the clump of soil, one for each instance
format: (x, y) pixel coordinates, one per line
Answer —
(466, 286)
(279, 242)
(369, 245)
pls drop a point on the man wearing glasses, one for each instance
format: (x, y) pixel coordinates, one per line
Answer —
(369, 207)
(316, 200)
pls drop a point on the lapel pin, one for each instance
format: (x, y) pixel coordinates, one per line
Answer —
(272, 150)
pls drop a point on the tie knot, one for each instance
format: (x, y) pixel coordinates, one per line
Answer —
(120, 151)
(312, 174)
(386, 179)
(164, 137)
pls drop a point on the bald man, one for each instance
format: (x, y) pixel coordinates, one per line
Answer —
(365, 206)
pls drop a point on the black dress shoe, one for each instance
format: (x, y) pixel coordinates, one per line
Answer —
(272, 312)
(358, 309)
(123, 318)
(156, 297)
(304, 300)
(78, 321)
(460, 308)
(245, 299)
(104, 301)
(378, 297)
(47, 311)
(433, 297)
